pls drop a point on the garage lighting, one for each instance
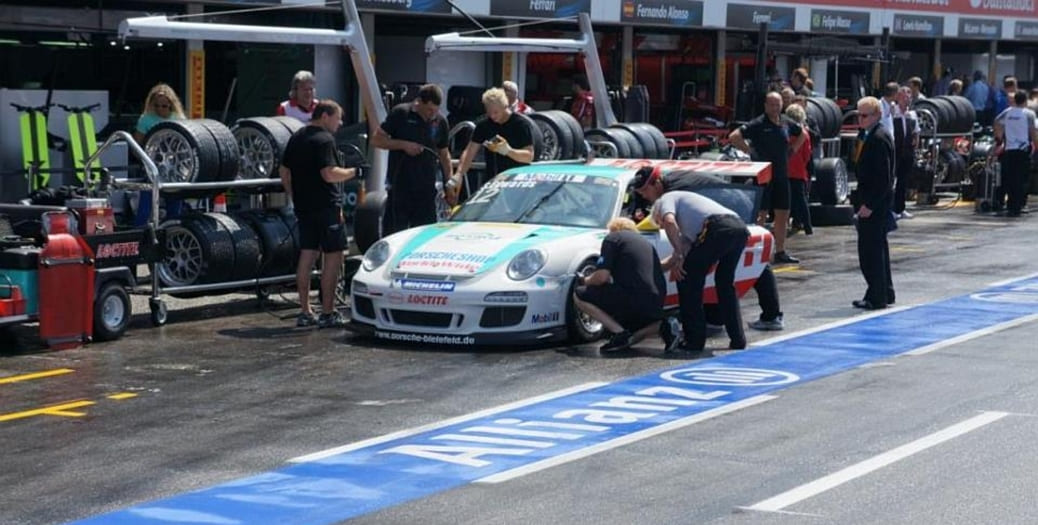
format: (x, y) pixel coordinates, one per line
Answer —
(506, 297)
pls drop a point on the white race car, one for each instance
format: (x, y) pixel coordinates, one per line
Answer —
(500, 271)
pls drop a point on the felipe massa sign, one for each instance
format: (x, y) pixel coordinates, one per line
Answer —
(826, 21)
(677, 13)
(539, 8)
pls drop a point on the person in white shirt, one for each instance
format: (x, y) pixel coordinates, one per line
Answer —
(302, 98)
(514, 102)
(1015, 130)
(887, 105)
(906, 140)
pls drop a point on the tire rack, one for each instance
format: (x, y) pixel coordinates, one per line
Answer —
(932, 144)
(157, 187)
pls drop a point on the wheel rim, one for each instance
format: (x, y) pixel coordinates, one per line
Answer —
(113, 312)
(257, 153)
(927, 123)
(182, 265)
(176, 160)
(603, 151)
(843, 186)
(941, 171)
(588, 323)
(550, 142)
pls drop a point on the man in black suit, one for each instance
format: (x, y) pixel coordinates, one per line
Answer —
(873, 201)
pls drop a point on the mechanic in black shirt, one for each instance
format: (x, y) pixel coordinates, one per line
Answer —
(310, 173)
(506, 135)
(650, 183)
(769, 135)
(626, 292)
(416, 136)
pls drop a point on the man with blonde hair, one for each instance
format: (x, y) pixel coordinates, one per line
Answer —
(872, 201)
(507, 136)
(626, 292)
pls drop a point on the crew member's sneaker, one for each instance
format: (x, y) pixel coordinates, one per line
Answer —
(785, 258)
(304, 320)
(905, 215)
(670, 328)
(617, 342)
(773, 325)
(332, 320)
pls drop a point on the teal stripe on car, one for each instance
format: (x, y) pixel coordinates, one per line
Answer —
(427, 234)
(537, 237)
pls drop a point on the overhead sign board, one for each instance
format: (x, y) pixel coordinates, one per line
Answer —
(674, 12)
(1026, 30)
(980, 28)
(417, 6)
(829, 21)
(751, 16)
(539, 8)
(918, 25)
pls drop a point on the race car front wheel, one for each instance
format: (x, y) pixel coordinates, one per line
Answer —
(582, 327)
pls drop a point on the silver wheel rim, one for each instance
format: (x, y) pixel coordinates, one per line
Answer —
(588, 323)
(550, 143)
(927, 123)
(941, 171)
(843, 186)
(182, 265)
(176, 160)
(113, 312)
(257, 153)
(604, 152)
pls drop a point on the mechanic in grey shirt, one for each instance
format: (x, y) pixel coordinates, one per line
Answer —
(703, 233)
(1015, 129)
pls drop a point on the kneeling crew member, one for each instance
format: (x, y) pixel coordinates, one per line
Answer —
(310, 173)
(626, 292)
(703, 233)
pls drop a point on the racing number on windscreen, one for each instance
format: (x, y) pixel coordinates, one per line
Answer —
(532, 198)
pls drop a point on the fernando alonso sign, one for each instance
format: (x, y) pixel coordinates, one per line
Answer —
(676, 13)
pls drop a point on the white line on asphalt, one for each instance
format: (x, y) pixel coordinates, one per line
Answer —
(625, 440)
(874, 463)
(447, 422)
(972, 335)
(1013, 280)
(783, 512)
(834, 324)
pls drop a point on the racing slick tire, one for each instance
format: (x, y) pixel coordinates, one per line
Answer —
(633, 144)
(831, 185)
(226, 146)
(581, 327)
(367, 220)
(827, 115)
(261, 141)
(951, 168)
(199, 250)
(535, 134)
(612, 136)
(292, 124)
(112, 311)
(279, 247)
(653, 143)
(247, 252)
(558, 139)
(184, 151)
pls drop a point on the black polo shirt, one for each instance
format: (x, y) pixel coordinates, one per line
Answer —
(770, 141)
(414, 174)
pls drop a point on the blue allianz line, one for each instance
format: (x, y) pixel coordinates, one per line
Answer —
(366, 480)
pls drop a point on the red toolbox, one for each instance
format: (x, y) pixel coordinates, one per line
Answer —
(66, 285)
(95, 215)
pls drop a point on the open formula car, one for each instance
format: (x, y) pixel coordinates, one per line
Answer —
(500, 271)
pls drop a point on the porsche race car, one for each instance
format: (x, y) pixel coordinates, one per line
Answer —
(501, 270)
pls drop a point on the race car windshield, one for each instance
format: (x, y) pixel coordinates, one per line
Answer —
(543, 198)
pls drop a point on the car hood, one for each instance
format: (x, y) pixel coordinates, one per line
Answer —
(467, 249)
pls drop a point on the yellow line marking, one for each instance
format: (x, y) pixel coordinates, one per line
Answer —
(122, 395)
(905, 249)
(36, 375)
(64, 410)
(789, 269)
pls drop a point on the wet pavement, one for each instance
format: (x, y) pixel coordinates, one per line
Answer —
(230, 389)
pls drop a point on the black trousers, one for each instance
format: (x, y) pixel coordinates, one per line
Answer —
(874, 258)
(1016, 169)
(799, 210)
(723, 245)
(406, 209)
(903, 175)
(767, 295)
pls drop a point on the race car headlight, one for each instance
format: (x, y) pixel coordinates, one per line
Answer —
(525, 264)
(376, 256)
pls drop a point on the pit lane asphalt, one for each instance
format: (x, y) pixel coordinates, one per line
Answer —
(226, 392)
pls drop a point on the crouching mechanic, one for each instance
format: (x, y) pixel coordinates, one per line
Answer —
(310, 173)
(627, 290)
(650, 184)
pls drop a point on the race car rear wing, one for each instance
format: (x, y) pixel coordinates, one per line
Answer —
(735, 172)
